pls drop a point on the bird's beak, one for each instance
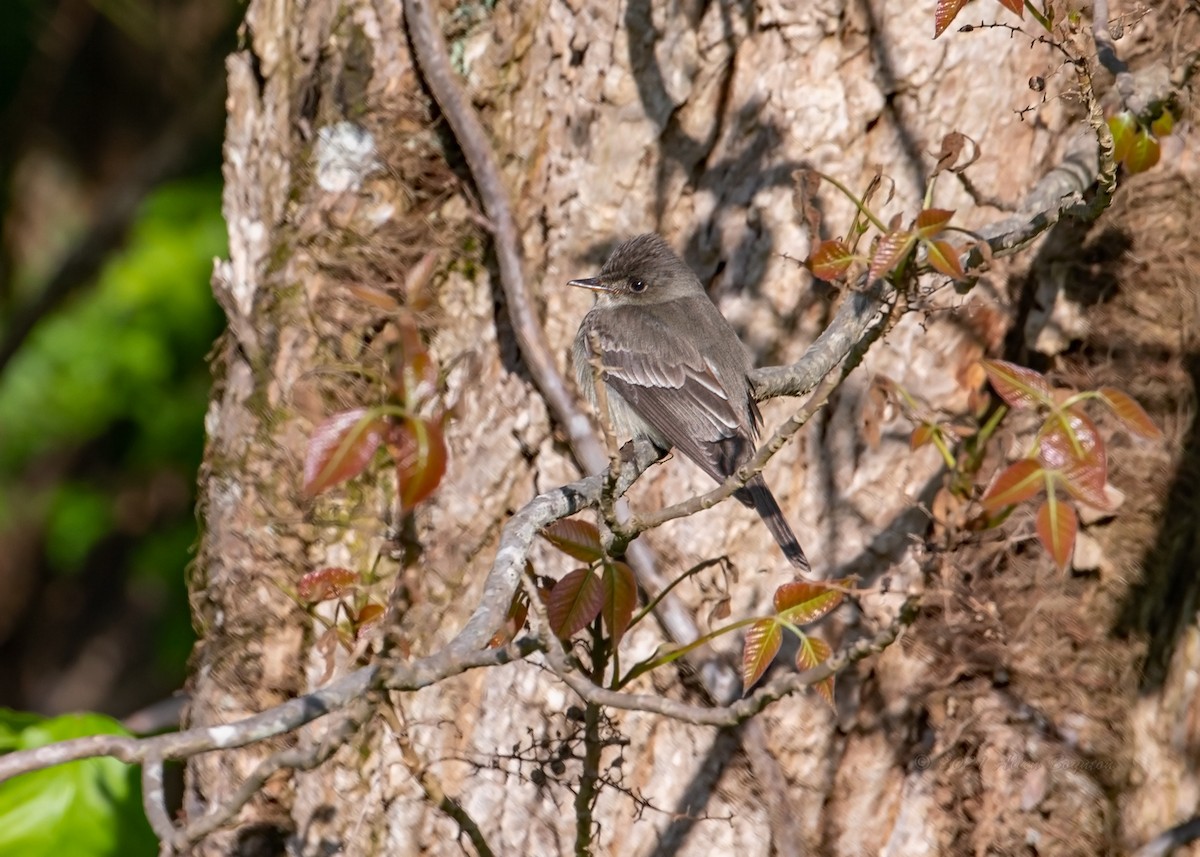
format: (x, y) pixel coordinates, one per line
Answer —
(592, 283)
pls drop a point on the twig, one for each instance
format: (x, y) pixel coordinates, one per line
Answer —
(1165, 843)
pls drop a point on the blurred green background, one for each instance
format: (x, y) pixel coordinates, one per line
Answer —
(111, 116)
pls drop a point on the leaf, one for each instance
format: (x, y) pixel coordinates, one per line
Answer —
(1020, 481)
(518, 612)
(368, 616)
(620, 598)
(414, 372)
(1072, 448)
(574, 602)
(1015, 6)
(945, 13)
(943, 258)
(325, 583)
(931, 221)
(830, 260)
(813, 652)
(577, 539)
(340, 448)
(85, 807)
(1164, 124)
(1016, 385)
(1123, 127)
(1143, 153)
(802, 601)
(922, 435)
(1130, 412)
(418, 448)
(762, 644)
(1056, 529)
(889, 253)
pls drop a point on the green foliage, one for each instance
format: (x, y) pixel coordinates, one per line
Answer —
(85, 808)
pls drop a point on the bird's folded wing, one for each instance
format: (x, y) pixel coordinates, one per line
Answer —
(677, 390)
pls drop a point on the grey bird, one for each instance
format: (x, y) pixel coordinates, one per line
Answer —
(675, 371)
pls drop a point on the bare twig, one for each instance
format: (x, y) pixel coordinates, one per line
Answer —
(1177, 836)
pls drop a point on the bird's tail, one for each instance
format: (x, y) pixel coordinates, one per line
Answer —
(758, 496)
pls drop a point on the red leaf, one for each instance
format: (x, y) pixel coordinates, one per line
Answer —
(922, 434)
(1075, 452)
(1016, 385)
(1143, 153)
(325, 583)
(945, 14)
(575, 538)
(943, 258)
(889, 253)
(814, 651)
(1056, 529)
(419, 450)
(518, 612)
(1130, 412)
(1020, 481)
(620, 598)
(1015, 6)
(830, 260)
(802, 602)
(414, 372)
(368, 616)
(931, 221)
(762, 644)
(340, 448)
(574, 602)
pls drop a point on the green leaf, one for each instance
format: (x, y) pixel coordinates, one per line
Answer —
(80, 809)
(1143, 153)
(1123, 127)
(574, 602)
(577, 539)
(762, 644)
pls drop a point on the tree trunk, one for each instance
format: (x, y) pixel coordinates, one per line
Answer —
(690, 119)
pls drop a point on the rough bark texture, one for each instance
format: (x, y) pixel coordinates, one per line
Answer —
(689, 119)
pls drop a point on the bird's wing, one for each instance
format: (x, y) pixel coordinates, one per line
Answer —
(681, 395)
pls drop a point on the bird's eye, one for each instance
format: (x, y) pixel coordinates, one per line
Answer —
(637, 286)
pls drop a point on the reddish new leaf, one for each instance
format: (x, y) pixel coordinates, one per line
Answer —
(1056, 529)
(1015, 6)
(1143, 153)
(830, 260)
(574, 602)
(890, 252)
(325, 583)
(1130, 412)
(620, 598)
(1072, 448)
(419, 451)
(922, 434)
(414, 372)
(931, 221)
(945, 13)
(340, 448)
(1016, 385)
(577, 539)
(1020, 481)
(943, 258)
(368, 617)
(801, 602)
(518, 612)
(762, 644)
(814, 651)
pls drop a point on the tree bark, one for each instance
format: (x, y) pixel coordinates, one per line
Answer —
(690, 119)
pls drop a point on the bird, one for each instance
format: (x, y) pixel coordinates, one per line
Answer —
(675, 371)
